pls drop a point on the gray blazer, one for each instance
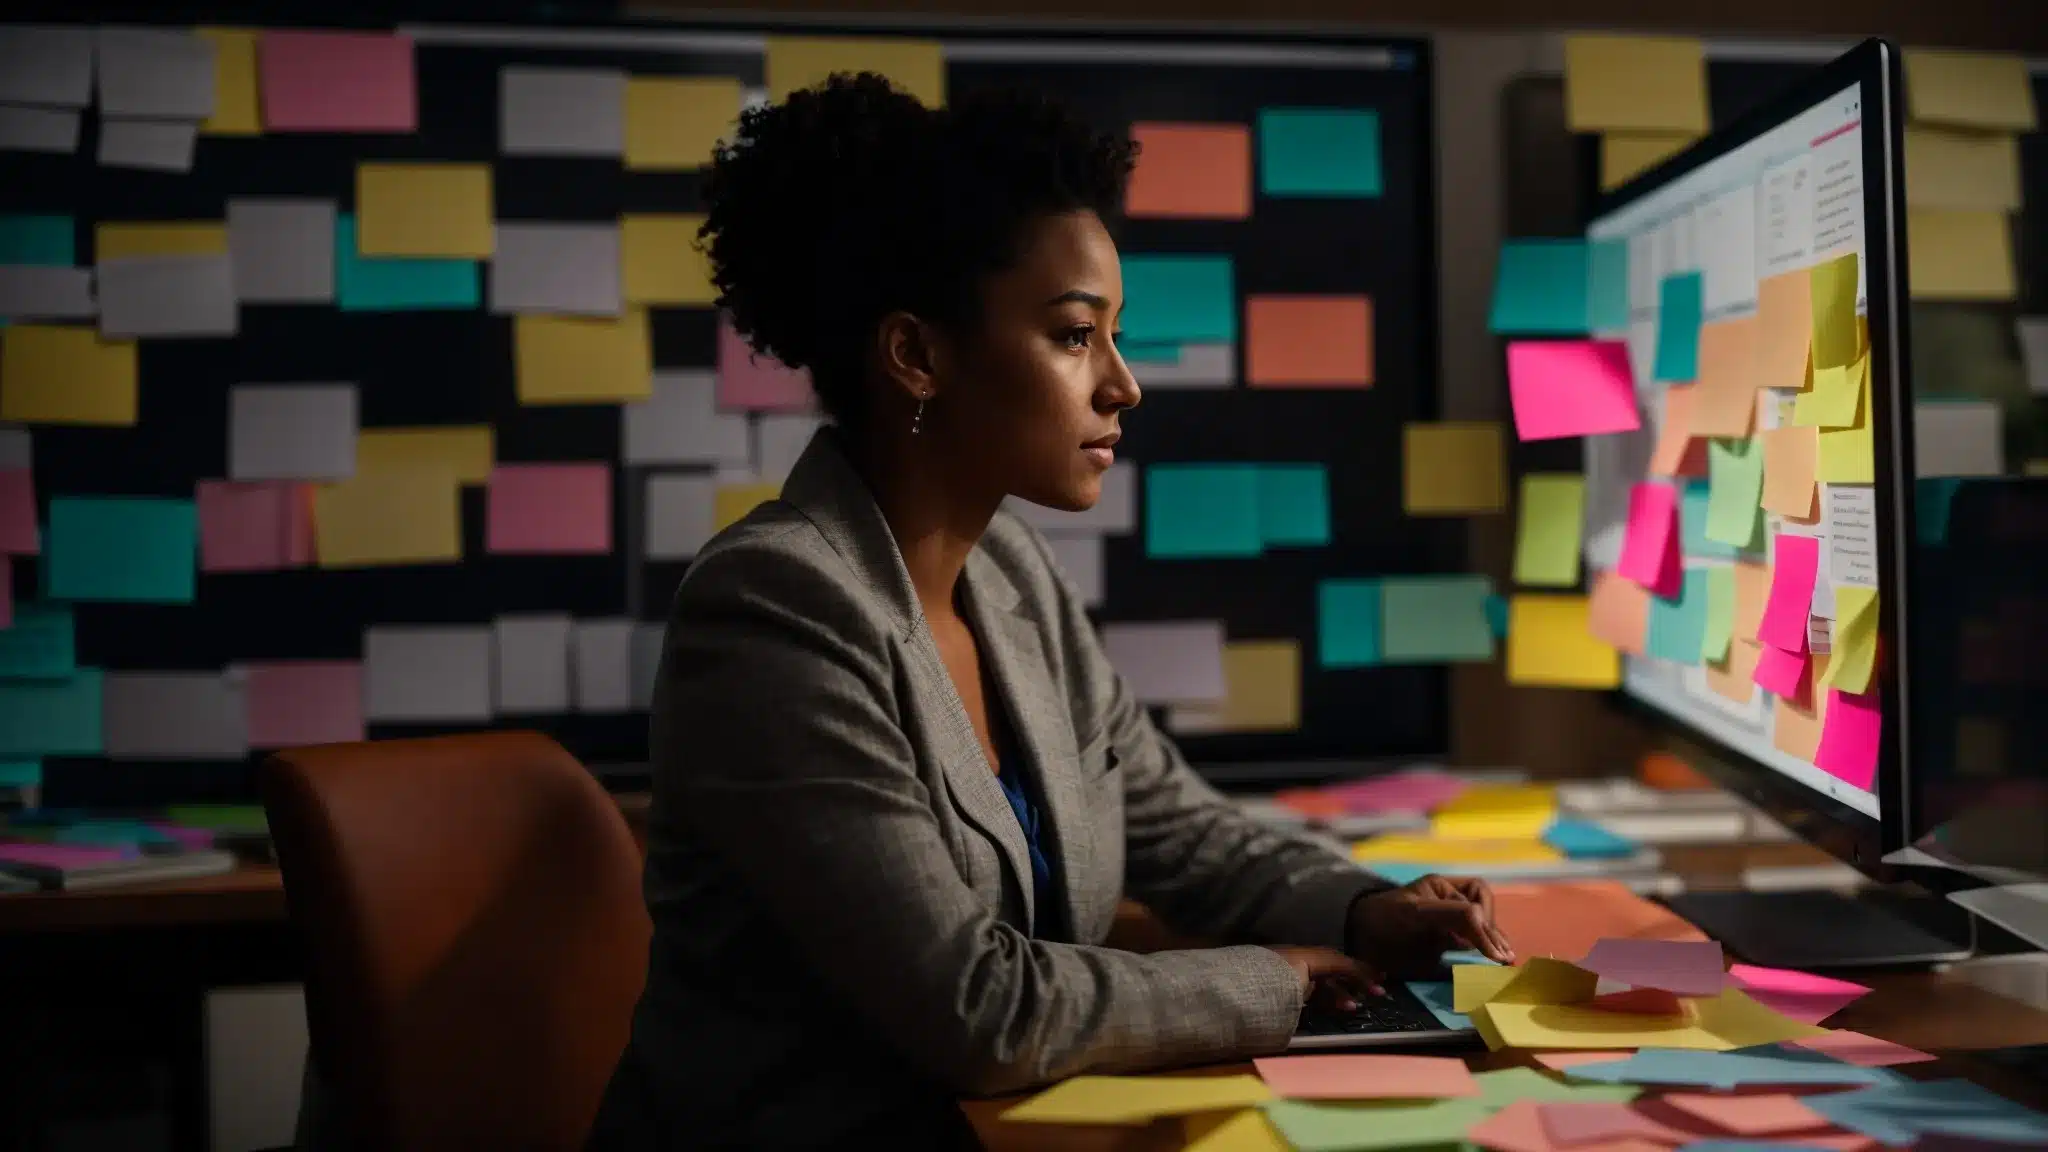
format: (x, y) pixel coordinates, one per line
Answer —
(841, 894)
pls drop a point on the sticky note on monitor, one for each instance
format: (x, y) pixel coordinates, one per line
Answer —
(1453, 468)
(1681, 306)
(1203, 510)
(1678, 627)
(140, 550)
(1319, 152)
(1190, 171)
(1551, 643)
(1734, 514)
(1308, 341)
(337, 82)
(673, 123)
(1435, 619)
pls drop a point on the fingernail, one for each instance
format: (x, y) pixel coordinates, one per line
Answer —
(1348, 1004)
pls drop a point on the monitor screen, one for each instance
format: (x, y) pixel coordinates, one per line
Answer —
(1752, 370)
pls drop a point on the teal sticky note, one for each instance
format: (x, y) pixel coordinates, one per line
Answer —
(1435, 619)
(1198, 511)
(1692, 522)
(1436, 995)
(1607, 285)
(398, 284)
(1678, 628)
(1585, 840)
(1540, 288)
(51, 717)
(1179, 299)
(1319, 152)
(40, 644)
(1153, 353)
(1497, 615)
(142, 550)
(112, 834)
(1398, 871)
(21, 773)
(1681, 309)
(1348, 623)
(45, 241)
(1294, 505)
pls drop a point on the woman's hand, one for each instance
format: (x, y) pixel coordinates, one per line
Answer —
(1330, 977)
(1405, 931)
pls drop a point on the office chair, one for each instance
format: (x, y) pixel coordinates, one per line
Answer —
(475, 935)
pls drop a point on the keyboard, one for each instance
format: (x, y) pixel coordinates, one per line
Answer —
(1397, 1011)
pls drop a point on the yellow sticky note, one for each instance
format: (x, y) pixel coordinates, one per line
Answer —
(1410, 848)
(1453, 468)
(1833, 288)
(674, 123)
(51, 374)
(1262, 686)
(1552, 521)
(1854, 641)
(582, 359)
(1960, 255)
(234, 83)
(662, 262)
(1497, 811)
(1551, 642)
(1835, 400)
(425, 209)
(1136, 1099)
(1717, 1024)
(1848, 455)
(468, 451)
(730, 503)
(1958, 169)
(1545, 980)
(119, 241)
(916, 66)
(1474, 984)
(397, 516)
(1624, 154)
(1246, 1131)
(2035, 468)
(1635, 83)
(1981, 90)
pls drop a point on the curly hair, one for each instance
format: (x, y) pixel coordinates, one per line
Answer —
(850, 200)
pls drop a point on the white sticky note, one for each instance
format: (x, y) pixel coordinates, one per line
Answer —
(1079, 558)
(679, 423)
(1958, 438)
(151, 145)
(282, 249)
(601, 665)
(1193, 366)
(167, 296)
(292, 431)
(17, 448)
(158, 73)
(2033, 332)
(1169, 662)
(52, 130)
(426, 674)
(530, 664)
(565, 268)
(40, 64)
(561, 112)
(28, 292)
(681, 514)
(647, 644)
(1115, 514)
(781, 437)
(174, 716)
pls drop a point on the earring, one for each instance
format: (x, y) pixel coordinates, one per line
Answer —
(917, 420)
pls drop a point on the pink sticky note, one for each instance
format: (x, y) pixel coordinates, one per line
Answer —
(1686, 967)
(1571, 388)
(1863, 1051)
(294, 703)
(1748, 1115)
(259, 526)
(1639, 1002)
(1802, 996)
(1849, 735)
(1783, 673)
(6, 593)
(1417, 790)
(1519, 1128)
(1366, 1077)
(18, 536)
(190, 839)
(549, 509)
(60, 855)
(749, 382)
(1584, 1121)
(1649, 550)
(1793, 564)
(337, 82)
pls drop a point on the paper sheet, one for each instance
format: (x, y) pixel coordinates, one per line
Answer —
(142, 550)
(566, 268)
(561, 112)
(397, 516)
(1541, 288)
(1191, 172)
(282, 250)
(549, 509)
(235, 110)
(1348, 619)
(662, 263)
(1635, 83)
(1169, 662)
(679, 423)
(1571, 388)
(673, 123)
(916, 66)
(1453, 468)
(1308, 341)
(1195, 511)
(426, 674)
(1320, 152)
(1435, 619)
(337, 82)
(294, 703)
(424, 209)
(582, 360)
(1552, 516)
(1366, 1077)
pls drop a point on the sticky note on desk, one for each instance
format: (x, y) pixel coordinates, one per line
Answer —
(1982, 91)
(421, 209)
(337, 82)
(1734, 508)
(1314, 1126)
(398, 284)
(1189, 171)
(582, 359)
(1686, 967)
(1551, 643)
(1179, 299)
(410, 515)
(1294, 505)
(1452, 468)
(1203, 510)
(1308, 341)
(1366, 1077)
(674, 123)
(1435, 619)
(1549, 529)
(1496, 811)
(131, 549)
(1136, 1099)
(1571, 388)
(1319, 152)
(1539, 288)
(1635, 83)
(916, 66)
(1681, 307)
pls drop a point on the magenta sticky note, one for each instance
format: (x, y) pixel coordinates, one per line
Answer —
(1802, 996)
(18, 535)
(1416, 790)
(748, 382)
(6, 593)
(1571, 388)
(1794, 560)
(190, 839)
(1849, 734)
(1783, 673)
(337, 82)
(254, 526)
(42, 855)
(549, 509)
(296, 703)
(1686, 967)
(1569, 1122)
(1649, 550)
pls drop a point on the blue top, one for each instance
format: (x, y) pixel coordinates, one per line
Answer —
(1018, 790)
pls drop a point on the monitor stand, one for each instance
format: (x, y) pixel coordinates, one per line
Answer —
(1824, 929)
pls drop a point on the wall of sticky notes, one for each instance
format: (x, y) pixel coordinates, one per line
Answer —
(365, 382)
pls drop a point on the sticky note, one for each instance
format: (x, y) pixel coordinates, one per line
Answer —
(154, 72)
(567, 268)
(174, 716)
(1985, 91)
(292, 431)
(1548, 532)
(265, 526)
(1734, 510)
(21, 774)
(1970, 170)
(1618, 612)
(1190, 172)
(234, 83)
(47, 64)
(167, 296)
(337, 82)
(1308, 341)
(1262, 681)
(1784, 673)
(1319, 152)
(1678, 626)
(1719, 627)
(1857, 1049)
(1481, 848)
(1959, 437)
(1635, 83)
(1678, 451)
(1294, 505)
(1748, 1115)
(1245, 1131)
(398, 284)
(1832, 288)
(530, 663)
(1784, 329)
(1366, 1077)
(467, 450)
(1182, 365)
(1847, 455)
(1136, 1099)
(51, 131)
(1452, 468)
(782, 439)
(40, 645)
(662, 262)
(1649, 550)
(1202, 510)
(132, 549)
(1169, 661)
(51, 717)
(1961, 255)
(549, 509)
(394, 516)
(1551, 642)
(1686, 967)
(295, 703)
(39, 241)
(148, 145)
(283, 249)
(1435, 619)
(1791, 456)
(562, 112)
(18, 533)
(755, 381)
(1498, 812)
(1803, 996)
(1849, 735)
(582, 359)
(680, 424)
(1348, 623)
(424, 209)
(1835, 400)
(673, 123)
(918, 67)
(1539, 288)
(1724, 402)
(1694, 501)
(1626, 155)
(601, 666)
(1728, 1021)
(1794, 561)
(1606, 285)
(426, 674)
(1681, 303)
(1497, 615)
(114, 240)
(730, 503)
(1586, 840)
(1571, 388)
(1179, 299)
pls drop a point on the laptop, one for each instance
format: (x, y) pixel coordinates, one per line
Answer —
(1398, 1019)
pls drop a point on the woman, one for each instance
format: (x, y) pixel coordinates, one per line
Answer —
(898, 788)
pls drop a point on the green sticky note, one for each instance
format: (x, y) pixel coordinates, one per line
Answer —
(1735, 478)
(1502, 1088)
(141, 550)
(1198, 511)
(1678, 628)
(1179, 299)
(21, 773)
(1294, 505)
(1539, 288)
(51, 717)
(1348, 623)
(40, 644)
(43, 241)
(1720, 613)
(1319, 152)
(1374, 1126)
(219, 817)
(1547, 537)
(1692, 522)
(398, 284)
(1434, 619)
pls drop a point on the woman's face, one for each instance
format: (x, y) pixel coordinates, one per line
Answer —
(1029, 405)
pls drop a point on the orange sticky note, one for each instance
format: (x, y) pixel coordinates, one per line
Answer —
(1620, 612)
(1752, 593)
(1678, 452)
(1784, 309)
(1366, 1077)
(1790, 457)
(1566, 918)
(1308, 341)
(1725, 402)
(1191, 172)
(1735, 677)
(1795, 729)
(1748, 1115)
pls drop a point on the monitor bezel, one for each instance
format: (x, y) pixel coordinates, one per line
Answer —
(1873, 69)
